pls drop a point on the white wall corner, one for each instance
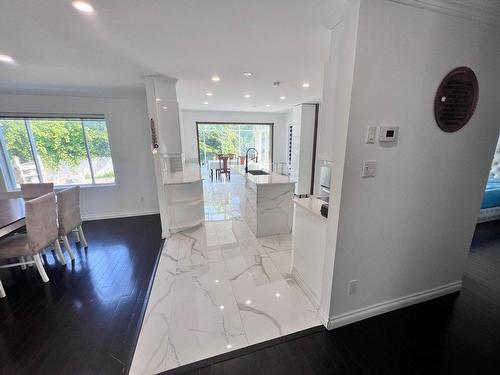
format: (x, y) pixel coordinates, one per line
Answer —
(390, 305)
(487, 12)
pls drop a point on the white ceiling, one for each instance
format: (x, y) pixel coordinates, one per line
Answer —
(56, 47)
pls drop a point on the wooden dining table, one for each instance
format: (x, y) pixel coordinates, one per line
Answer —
(12, 215)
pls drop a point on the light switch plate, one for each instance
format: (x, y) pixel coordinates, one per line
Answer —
(369, 168)
(371, 134)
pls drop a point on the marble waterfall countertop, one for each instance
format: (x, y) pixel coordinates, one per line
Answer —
(190, 173)
(271, 178)
(311, 204)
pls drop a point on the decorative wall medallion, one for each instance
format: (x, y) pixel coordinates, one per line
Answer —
(456, 99)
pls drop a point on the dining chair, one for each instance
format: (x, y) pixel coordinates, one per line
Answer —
(70, 219)
(35, 190)
(223, 167)
(41, 232)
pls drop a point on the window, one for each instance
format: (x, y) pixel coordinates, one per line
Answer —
(235, 138)
(65, 151)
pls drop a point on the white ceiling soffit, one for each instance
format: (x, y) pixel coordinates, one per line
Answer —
(485, 11)
(58, 49)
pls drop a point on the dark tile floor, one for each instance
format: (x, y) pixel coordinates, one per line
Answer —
(85, 320)
(456, 334)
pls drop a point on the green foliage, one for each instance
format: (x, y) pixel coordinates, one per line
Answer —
(216, 139)
(58, 141)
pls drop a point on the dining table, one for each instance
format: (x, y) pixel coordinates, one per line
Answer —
(12, 215)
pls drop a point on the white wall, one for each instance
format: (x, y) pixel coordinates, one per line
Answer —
(405, 234)
(130, 149)
(189, 137)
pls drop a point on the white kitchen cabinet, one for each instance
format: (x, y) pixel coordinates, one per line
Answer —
(301, 147)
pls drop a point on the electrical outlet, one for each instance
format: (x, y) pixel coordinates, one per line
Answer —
(353, 286)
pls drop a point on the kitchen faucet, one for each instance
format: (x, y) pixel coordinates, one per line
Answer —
(246, 157)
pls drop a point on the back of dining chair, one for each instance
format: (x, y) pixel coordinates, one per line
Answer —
(41, 222)
(30, 191)
(223, 163)
(68, 209)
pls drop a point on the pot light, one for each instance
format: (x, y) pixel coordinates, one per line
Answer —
(206, 104)
(216, 78)
(268, 105)
(158, 99)
(221, 307)
(83, 6)
(305, 85)
(247, 96)
(277, 294)
(229, 346)
(209, 93)
(248, 302)
(282, 97)
(248, 74)
(165, 107)
(6, 59)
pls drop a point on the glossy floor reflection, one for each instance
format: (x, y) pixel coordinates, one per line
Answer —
(218, 288)
(85, 320)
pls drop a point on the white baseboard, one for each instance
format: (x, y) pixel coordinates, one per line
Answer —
(115, 215)
(300, 280)
(390, 305)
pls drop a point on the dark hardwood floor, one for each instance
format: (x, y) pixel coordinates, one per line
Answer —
(85, 320)
(456, 334)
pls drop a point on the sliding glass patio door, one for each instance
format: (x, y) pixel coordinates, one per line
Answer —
(235, 139)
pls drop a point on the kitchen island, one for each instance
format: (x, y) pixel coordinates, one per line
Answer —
(266, 203)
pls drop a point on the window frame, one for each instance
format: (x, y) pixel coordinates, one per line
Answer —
(6, 166)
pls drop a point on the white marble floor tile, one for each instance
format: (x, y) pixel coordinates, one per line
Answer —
(271, 310)
(205, 319)
(151, 356)
(219, 288)
(280, 242)
(283, 262)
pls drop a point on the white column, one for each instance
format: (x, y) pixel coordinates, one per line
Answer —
(163, 109)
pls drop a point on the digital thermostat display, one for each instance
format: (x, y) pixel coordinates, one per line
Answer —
(389, 134)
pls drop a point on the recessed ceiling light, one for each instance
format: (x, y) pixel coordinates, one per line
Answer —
(165, 107)
(247, 96)
(268, 105)
(83, 6)
(206, 104)
(216, 78)
(282, 97)
(248, 302)
(305, 85)
(277, 294)
(158, 99)
(7, 59)
(221, 307)
(247, 74)
(229, 346)
(209, 94)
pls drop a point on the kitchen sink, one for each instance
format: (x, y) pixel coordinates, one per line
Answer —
(258, 172)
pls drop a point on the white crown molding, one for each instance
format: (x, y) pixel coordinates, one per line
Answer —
(160, 78)
(466, 9)
(93, 92)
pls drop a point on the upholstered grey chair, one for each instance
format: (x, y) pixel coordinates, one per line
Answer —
(70, 219)
(30, 191)
(41, 232)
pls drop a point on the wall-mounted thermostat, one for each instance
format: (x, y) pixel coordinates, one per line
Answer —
(388, 134)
